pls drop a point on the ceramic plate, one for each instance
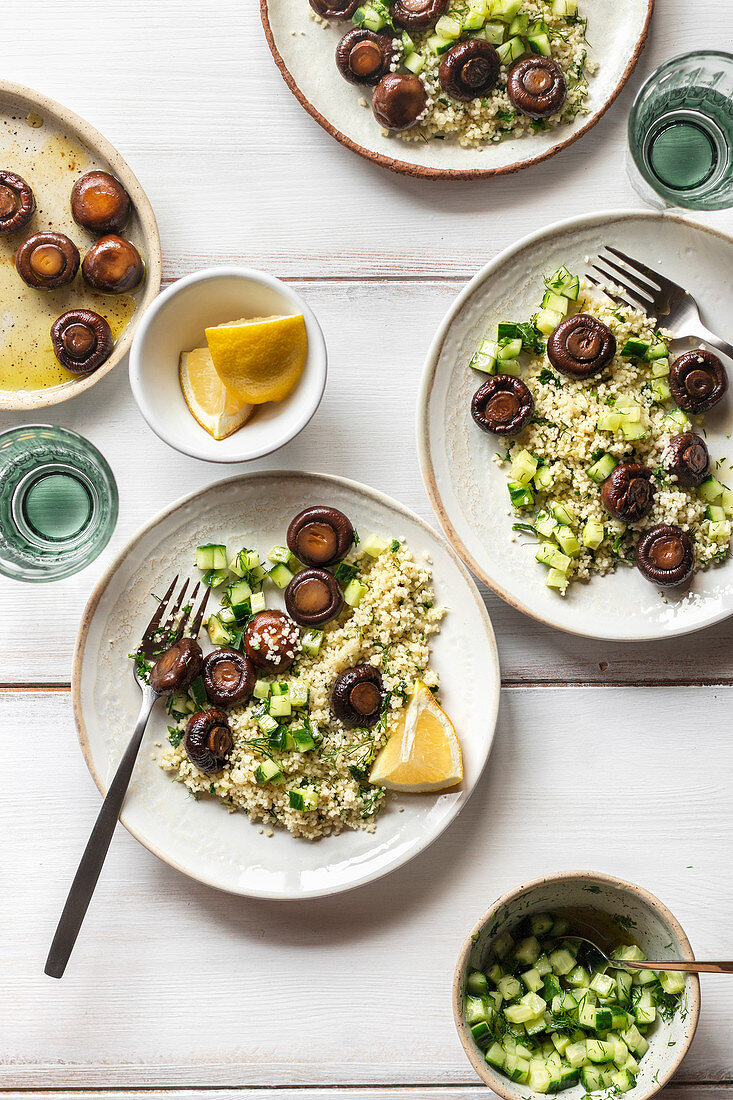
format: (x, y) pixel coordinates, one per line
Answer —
(200, 838)
(51, 148)
(304, 49)
(468, 490)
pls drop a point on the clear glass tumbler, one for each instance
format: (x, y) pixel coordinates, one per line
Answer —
(58, 503)
(681, 133)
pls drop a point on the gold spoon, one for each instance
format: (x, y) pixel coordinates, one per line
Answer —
(691, 966)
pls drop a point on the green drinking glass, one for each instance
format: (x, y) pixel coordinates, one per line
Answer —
(681, 133)
(58, 503)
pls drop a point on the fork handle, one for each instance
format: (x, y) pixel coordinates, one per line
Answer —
(95, 852)
(691, 966)
(710, 338)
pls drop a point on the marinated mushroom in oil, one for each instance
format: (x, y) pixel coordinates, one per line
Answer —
(82, 340)
(320, 536)
(335, 9)
(697, 381)
(469, 69)
(272, 641)
(628, 494)
(313, 597)
(581, 346)
(399, 100)
(47, 261)
(113, 265)
(415, 15)
(177, 668)
(502, 405)
(229, 677)
(665, 555)
(357, 697)
(100, 203)
(17, 202)
(537, 87)
(208, 740)
(687, 457)
(363, 57)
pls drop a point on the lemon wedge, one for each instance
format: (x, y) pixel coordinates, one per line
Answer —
(423, 754)
(259, 358)
(208, 400)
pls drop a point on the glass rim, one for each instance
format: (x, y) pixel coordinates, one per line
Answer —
(669, 63)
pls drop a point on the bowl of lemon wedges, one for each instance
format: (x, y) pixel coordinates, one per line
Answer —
(228, 364)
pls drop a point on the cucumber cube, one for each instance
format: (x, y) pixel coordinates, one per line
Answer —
(485, 357)
(257, 602)
(472, 21)
(631, 430)
(710, 489)
(561, 513)
(516, 1069)
(218, 632)
(505, 9)
(476, 1009)
(593, 535)
(503, 945)
(311, 642)
(280, 706)
(267, 772)
(532, 980)
(518, 1014)
(299, 693)
(635, 348)
(448, 27)
(524, 467)
(562, 961)
(509, 987)
(672, 981)
(726, 502)
(568, 8)
(520, 25)
(280, 575)
(211, 556)
(556, 578)
(547, 319)
(374, 545)
(302, 740)
(567, 540)
(623, 1080)
(555, 559)
(261, 690)
(603, 984)
(545, 524)
(657, 351)
(415, 63)
(608, 421)
(660, 368)
(508, 349)
(676, 421)
(496, 1056)
(354, 593)
(493, 33)
(303, 799)
(543, 480)
(439, 45)
(282, 555)
(540, 44)
(477, 983)
(520, 495)
(511, 51)
(575, 1054)
(660, 390)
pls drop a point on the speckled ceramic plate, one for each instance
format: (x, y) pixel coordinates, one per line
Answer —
(51, 148)
(200, 838)
(468, 490)
(304, 53)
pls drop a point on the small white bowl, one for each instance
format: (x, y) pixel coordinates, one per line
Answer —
(176, 321)
(646, 920)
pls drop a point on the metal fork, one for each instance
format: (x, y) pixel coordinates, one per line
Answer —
(645, 289)
(158, 637)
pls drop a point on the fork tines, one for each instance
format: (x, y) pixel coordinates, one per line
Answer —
(625, 285)
(178, 617)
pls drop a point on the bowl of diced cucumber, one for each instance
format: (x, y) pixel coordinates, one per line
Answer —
(540, 1012)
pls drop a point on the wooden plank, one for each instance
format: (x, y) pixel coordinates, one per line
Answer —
(174, 985)
(395, 1092)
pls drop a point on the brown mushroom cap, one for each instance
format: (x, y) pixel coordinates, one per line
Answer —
(536, 86)
(687, 457)
(502, 405)
(335, 9)
(399, 100)
(17, 202)
(47, 261)
(357, 696)
(320, 536)
(469, 69)
(313, 597)
(628, 493)
(581, 346)
(697, 381)
(272, 641)
(363, 57)
(177, 668)
(82, 340)
(113, 265)
(415, 15)
(665, 555)
(208, 740)
(100, 203)
(229, 677)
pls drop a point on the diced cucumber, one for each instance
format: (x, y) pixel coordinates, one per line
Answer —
(280, 575)
(472, 21)
(540, 44)
(628, 951)
(561, 513)
(299, 693)
(439, 45)
(562, 961)
(543, 480)
(303, 799)
(261, 690)
(556, 579)
(516, 1069)
(215, 577)
(635, 348)
(726, 501)
(599, 1050)
(631, 431)
(509, 52)
(579, 978)
(660, 390)
(302, 740)
(568, 8)
(509, 987)
(448, 27)
(593, 535)
(354, 593)
(623, 1080)
(280, 706)
(496, 1056)
(311, 642)
(211, 556)
(505, 9)
(532, 980)
(715, 513)
(659, 350)
(519, 25)
(603, 984)
(257, 602)
(521, 496)
(550, 555)
(676, 421)
(502, 945)
(415, 63)
(565, 283)
(608, 421)
(281, 555)
(710, 489)
(551, 987)
(508, 349)
(524, 467)
(484, 359)
(544, 523)
(218, 632)
(548, 319)
(374, 545)
(528, 951)
(623, 987)
(477, 984)
(575, 1054)
(567, 540)
(539, 1079)
(557, 302)
(267, 772)
(493, 33)
(720, 532)
(660, 368)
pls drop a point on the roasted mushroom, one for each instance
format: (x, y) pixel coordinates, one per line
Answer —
(502, 405)
(665, 555)
(536, 86)
(687, 457)
(82, 340)
(363, 57)
(469, 69)
(399, 100)
(581, 346)
(357, 696)
(698, 380)
(177, 668)
(320, 536)
(628, 494)
(313, 597)
(414, 15)
(272, 641)
(113, 265)
(335, 9)
(229, 677)
(208, 741)
(46, 261)
(17, 202)
(100, 203)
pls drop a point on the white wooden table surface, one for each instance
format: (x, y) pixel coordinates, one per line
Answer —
(175, 989)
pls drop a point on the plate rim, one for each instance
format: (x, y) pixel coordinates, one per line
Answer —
(100, 588)
(426, 385)
(419, 171)
(26, 400)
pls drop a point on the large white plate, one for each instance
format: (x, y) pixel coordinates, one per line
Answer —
(468, 490)
(200, 838)
(304, 53)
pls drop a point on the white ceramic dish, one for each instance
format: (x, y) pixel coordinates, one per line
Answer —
(176, 321)
(468, 490)
(303, 51)
(200, 838)
(648, 922)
